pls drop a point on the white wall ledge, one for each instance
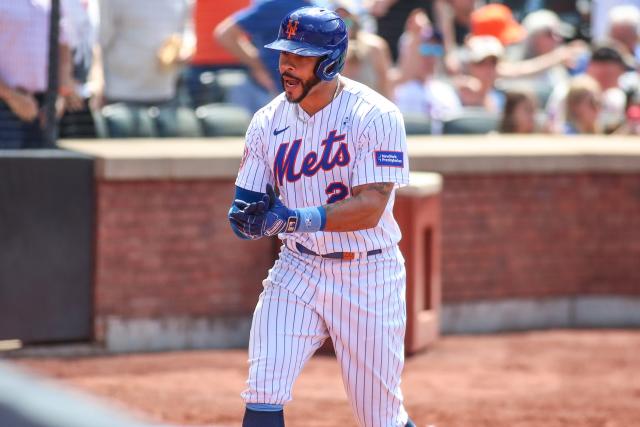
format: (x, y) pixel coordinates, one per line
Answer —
(219, 158)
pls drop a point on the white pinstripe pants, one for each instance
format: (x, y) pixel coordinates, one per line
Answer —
(360, 304)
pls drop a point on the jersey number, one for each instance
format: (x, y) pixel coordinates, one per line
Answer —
(336, 191)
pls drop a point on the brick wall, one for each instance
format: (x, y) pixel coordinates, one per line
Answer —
(540, 235)
(164, 248)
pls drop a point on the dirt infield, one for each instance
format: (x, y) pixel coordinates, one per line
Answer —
(541, 379)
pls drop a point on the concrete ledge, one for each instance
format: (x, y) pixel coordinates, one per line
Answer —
(126, 159)
(175, 333)
(422, 184)
(524, 314)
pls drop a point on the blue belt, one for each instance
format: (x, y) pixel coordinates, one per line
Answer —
(337, 255)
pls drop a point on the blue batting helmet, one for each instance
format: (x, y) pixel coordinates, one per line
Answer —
(314, 31)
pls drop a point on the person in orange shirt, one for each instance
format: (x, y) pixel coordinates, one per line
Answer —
(209, 55)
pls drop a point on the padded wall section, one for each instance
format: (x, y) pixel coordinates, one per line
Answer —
(46, 245)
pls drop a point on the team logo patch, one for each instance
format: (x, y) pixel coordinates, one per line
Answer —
(390, 158)
(292, 28)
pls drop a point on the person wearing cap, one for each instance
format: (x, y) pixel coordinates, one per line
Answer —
(624, 27)
(418, 91)
(542, 56)
(601, 18)
(539, 37)
(497, 20)
(477, 88)
(608, 63)
(368, 56)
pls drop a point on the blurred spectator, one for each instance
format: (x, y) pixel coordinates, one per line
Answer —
(583, 106)
(624, 26)
(519, 113)
(418, 91)
(209, 56)
(600, 10)
(80, 25)
(24, 43)
(543, 58)
(454, 20)
(573, 12)
(545, 34)
(518, 7)
(368, 58)
(539, 60)
(244, 34)
(141, 44)
(391, 16)
(607, 65)
(407, 67)
(632, 124)
(477, 89)
(497, 20)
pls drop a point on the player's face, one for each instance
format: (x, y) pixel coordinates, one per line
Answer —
(297, 74)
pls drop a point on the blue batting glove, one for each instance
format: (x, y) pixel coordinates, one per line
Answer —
(278, 218)
(247, 219)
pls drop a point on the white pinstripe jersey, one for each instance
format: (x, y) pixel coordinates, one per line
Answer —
(358, 138)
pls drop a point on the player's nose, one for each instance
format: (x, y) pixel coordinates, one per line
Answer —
(286, 63)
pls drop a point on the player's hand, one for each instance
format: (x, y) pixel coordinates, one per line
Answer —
(72, 99)
(417, 22)
(278, 218)
(379, 8)
(452, 64)
(247, 219)
(23, 105)
(572, 52)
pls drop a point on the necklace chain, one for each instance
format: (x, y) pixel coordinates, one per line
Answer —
(335, 95)
(337, 89)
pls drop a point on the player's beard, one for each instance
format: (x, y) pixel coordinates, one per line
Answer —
(307, 85)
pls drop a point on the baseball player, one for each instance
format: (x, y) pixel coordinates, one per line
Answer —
(335, 150)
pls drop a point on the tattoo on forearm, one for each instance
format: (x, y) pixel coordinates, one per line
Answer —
(383, 188)
(334, 206)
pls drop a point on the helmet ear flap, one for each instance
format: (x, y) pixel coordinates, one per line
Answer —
(330, 65)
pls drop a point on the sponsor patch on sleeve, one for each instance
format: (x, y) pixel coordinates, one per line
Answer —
(390, 158)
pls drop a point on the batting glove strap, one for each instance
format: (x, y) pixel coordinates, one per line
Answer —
(280, 221)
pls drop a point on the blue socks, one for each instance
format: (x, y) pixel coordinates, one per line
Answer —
(263, 415)
(266, 415)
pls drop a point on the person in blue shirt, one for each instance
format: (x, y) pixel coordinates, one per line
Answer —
(244, 34)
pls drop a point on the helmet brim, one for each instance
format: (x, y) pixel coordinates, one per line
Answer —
(297, 48)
